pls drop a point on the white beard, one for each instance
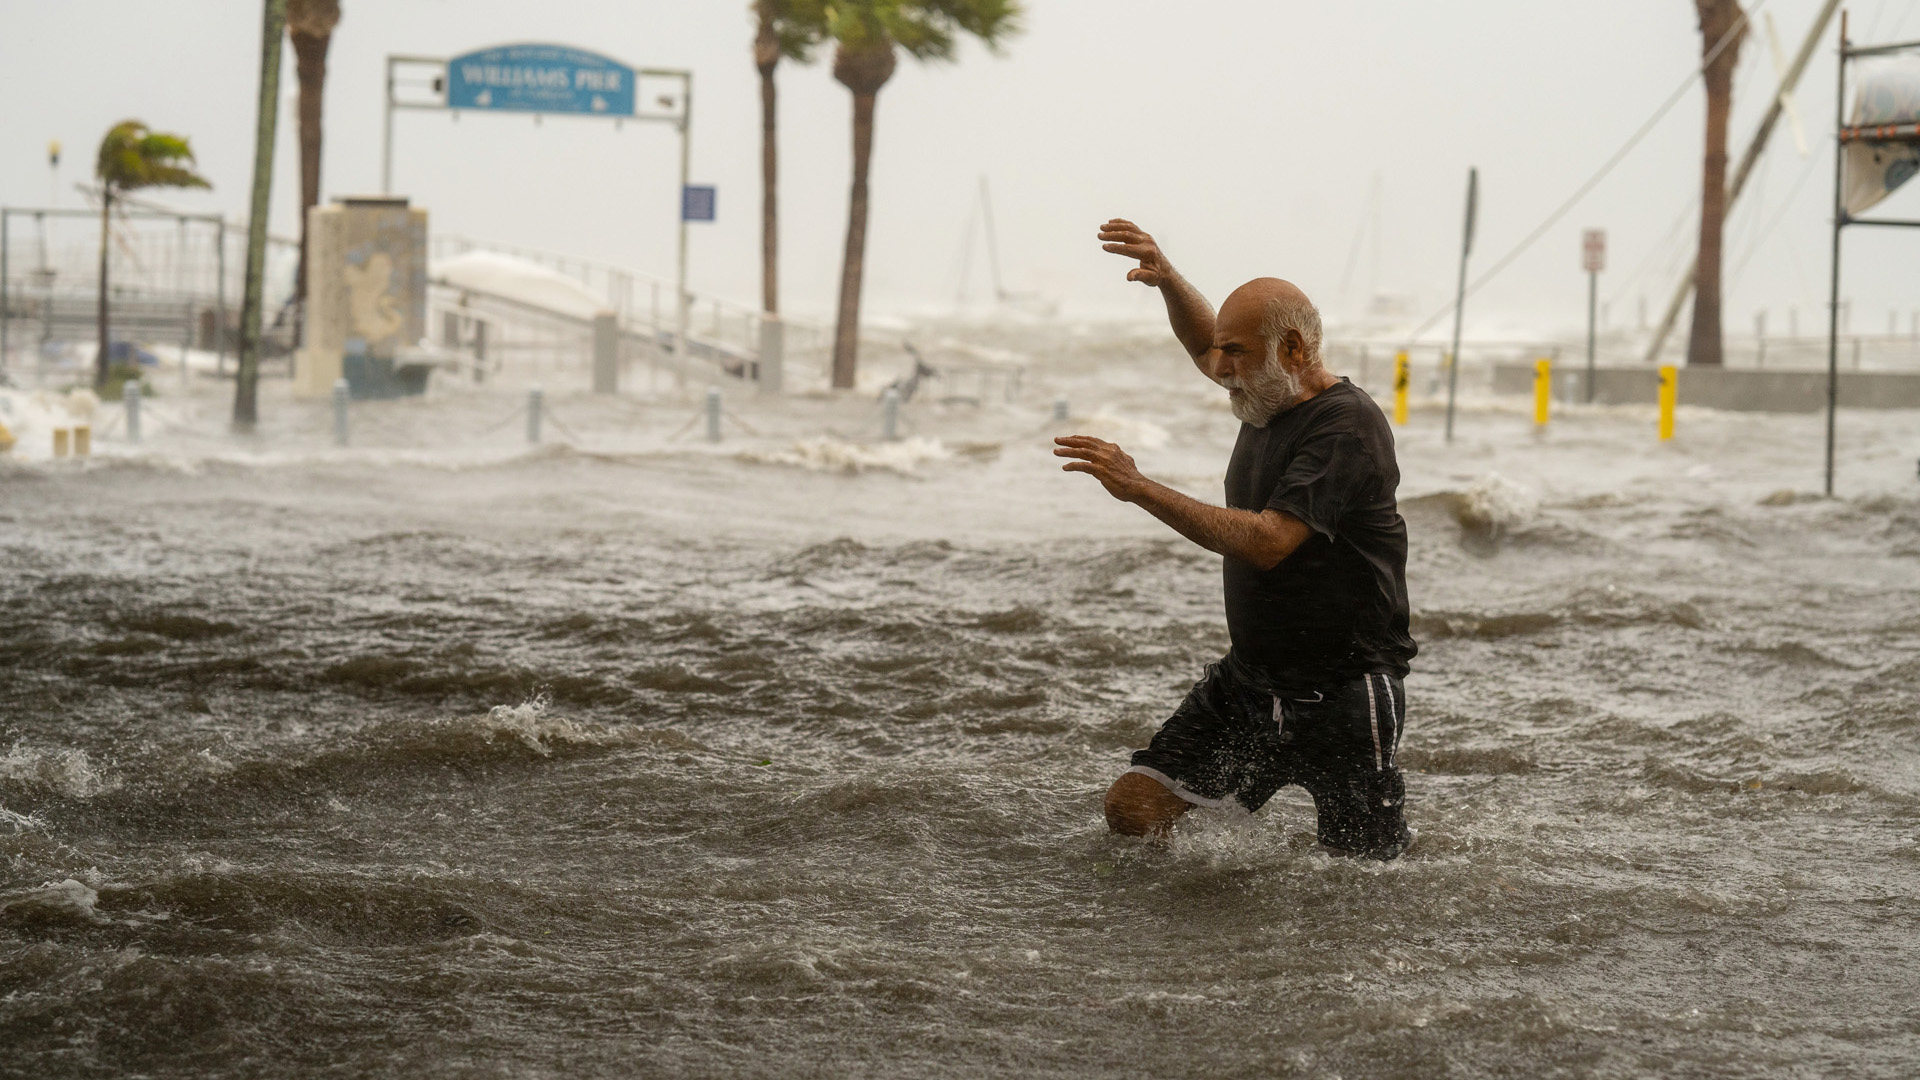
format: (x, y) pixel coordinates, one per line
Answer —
(1271, 390)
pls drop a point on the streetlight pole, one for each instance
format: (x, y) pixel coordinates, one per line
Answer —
(680, 301)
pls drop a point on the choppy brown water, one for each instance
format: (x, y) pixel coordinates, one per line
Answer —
(661, 761)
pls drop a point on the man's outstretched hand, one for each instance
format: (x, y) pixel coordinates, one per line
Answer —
(1123, 237)
(1108, 463)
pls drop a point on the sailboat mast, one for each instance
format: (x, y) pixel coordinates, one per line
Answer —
(993, 240)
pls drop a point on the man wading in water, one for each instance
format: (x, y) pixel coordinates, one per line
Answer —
(1315, 572)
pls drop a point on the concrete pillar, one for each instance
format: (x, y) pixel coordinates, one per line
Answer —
(890, 414)
(536, 404)
(773, 353)
(130, 400)
(713, 414)
(340, 412)
(1060, 408)
(606, 353)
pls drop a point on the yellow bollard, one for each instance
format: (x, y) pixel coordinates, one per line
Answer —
(60, 437)
(6, 439)
(1542, 391)
(82, 440)
(1669, 394)
(1402, 379)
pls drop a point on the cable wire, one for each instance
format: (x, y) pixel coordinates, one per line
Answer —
(1594, 181)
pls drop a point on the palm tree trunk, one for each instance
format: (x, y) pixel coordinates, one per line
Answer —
(310, 55)
(766, 55)
(246, 382)
(846, 334)
(100, 359)
(1718, 18)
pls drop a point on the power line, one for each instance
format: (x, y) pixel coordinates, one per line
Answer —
(1594, 181)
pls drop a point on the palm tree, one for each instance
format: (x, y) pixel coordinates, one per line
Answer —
(866, 34)
(310, 26)
(1722, 29)
(790, 29)
(133, 157)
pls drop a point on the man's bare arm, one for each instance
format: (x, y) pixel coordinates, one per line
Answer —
(1187, 311)
(1262, 539)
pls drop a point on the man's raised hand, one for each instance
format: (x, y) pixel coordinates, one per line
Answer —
(1108, 463)
(1123, 237)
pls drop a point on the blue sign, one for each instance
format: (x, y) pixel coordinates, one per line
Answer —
(697, 202)
(540, 78)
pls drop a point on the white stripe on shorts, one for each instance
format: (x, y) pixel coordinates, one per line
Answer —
(1373, 718)
(1393, 714)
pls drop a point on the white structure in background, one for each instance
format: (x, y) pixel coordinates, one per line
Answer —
(523, 281)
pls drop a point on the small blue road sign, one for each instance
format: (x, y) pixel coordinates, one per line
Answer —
(697, 202)
(540, 78)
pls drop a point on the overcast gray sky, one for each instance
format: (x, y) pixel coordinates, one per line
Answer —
(1247, 134)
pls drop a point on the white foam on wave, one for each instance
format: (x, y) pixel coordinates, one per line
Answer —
(838, 455)
(1497, 504)
(21, 822)
(539, 729)
(66, 897)
(68, 772)
(32, 415)
(1130, 432)
(1227, 836)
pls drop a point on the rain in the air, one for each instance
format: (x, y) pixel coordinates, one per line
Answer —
(959, 538)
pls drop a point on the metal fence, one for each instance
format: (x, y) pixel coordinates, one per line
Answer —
(173, 280)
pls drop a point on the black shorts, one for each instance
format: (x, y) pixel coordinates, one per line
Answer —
(1230, 740)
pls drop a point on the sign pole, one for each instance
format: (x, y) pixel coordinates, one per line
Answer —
(1593, 294)
(1593, 259)
(1839, 220)
(386, 137)
(1460, 297)
(680, 271)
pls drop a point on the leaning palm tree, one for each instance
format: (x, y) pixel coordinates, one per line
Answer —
(1722, 29)
(310, 26)
(790, 29)
(867, 34)
(133, 157)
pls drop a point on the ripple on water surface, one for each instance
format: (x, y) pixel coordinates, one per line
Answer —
(413, 796)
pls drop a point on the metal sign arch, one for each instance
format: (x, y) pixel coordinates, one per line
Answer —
(543, 78)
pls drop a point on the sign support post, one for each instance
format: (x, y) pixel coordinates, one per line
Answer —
(1593, 257)
(681, 301)
(1839, 221)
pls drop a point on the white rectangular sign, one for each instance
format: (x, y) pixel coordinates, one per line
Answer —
(1593, 250)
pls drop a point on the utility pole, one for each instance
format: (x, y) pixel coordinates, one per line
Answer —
(246, 382)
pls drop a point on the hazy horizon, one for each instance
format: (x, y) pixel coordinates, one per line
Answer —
(1248, 137)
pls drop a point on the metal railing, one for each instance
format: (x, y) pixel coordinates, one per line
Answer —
(644, 301)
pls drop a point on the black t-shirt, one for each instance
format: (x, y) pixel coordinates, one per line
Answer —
(1336, 608)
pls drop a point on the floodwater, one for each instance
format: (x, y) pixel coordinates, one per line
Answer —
(783, 757)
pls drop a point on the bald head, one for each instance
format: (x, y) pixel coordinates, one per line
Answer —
(1266, 348)
(1280, 315)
